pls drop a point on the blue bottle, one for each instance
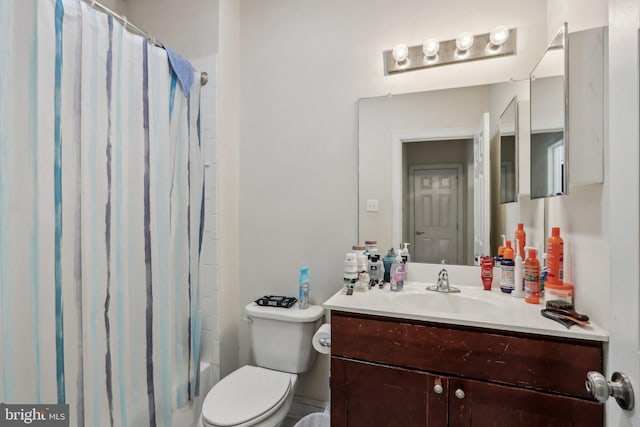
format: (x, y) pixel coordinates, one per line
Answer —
(303, 294)
(388, 260)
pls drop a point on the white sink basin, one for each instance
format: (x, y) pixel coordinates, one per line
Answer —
(438, 302)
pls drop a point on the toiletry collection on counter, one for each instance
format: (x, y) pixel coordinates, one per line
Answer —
(516, 270)
(365, 268)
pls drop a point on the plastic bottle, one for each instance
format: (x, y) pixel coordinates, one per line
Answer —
(359, 250)
(555, 257)
(398, 273)
(382, 270)
(303, 293)
(518, 279)
(404, 252)
(371, 247)
(486, 272)
(350, 276)
(375, 270)
(507, 267)
(543, 274)
(388, 261)
(521, 237)
(532, 277)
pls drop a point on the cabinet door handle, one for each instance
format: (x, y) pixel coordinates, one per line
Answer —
(438, 386)
(460, 394)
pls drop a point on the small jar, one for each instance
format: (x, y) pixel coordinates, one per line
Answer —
(371, 247)
(560, 296)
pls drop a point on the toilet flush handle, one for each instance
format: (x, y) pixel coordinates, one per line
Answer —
(248, 319)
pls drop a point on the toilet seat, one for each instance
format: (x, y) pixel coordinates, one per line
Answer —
(249, 394)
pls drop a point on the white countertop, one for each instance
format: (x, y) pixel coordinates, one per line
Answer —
(471, 307)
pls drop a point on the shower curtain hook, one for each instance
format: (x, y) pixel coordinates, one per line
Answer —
(93, 4)
(125, 22)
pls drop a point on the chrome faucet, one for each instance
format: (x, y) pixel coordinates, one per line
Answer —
(443, 281)
(442, 285)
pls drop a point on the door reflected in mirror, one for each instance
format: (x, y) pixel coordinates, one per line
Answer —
(509, 153)
(436, 199)
(549, 142)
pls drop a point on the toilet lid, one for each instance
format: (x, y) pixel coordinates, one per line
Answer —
(244, 395)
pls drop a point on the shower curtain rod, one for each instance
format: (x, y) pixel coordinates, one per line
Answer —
(204, 77)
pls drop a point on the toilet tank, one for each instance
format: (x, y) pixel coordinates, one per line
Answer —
(281, 337)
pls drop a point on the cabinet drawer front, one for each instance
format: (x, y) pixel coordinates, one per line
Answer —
(522, 360)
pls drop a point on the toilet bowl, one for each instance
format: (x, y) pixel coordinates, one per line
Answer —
(250, 396)
(261, 396)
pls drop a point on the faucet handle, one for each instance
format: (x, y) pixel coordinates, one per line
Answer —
(443, 262)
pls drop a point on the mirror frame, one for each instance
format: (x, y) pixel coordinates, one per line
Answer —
(560, 41)
(516, 167)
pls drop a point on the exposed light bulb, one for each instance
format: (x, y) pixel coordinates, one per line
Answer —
(400, 53)
(464, 41)
(499, 35)
(430, 47)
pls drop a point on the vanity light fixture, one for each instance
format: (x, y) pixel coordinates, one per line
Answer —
(464, 41)
(400, 54)
(500, 41)
(499, 35)
(430, 48)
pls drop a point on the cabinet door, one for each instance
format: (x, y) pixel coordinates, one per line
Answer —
(478, 404)
(371, 395)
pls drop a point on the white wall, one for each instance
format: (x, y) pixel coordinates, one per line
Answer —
(304, 66)
(187, 26)
(117, 6)
(228, 135)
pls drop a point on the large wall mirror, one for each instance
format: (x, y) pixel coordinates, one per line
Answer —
(425, 171)
(549, 110)
(509, 153)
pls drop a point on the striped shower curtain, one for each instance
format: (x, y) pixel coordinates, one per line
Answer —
(101, 211)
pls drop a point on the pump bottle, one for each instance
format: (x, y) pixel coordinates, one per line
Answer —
(398, 272)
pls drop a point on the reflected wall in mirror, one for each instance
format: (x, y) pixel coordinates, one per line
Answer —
(549, 106)
(425, 158)
(509, 153)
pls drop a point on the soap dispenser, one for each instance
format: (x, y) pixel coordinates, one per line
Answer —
(404, 252)
(398, 273)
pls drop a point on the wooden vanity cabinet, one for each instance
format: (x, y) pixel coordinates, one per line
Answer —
(403, 373)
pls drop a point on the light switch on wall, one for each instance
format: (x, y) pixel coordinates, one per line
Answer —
(372, 206)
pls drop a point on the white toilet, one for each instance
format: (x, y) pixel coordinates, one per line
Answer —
(260, 396)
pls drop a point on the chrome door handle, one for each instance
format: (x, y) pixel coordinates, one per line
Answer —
(619, 387)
